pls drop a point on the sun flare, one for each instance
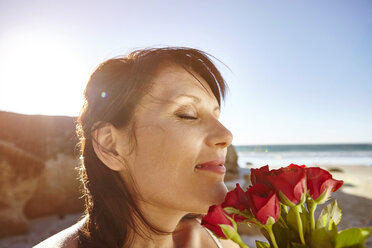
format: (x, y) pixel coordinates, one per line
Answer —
(39, 74)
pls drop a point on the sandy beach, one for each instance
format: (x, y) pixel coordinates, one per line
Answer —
(40, 229)
(354, 198)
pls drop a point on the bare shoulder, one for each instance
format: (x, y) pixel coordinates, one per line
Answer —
(199, 237)
(67, 238)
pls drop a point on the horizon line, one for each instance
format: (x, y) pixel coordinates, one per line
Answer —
(297, 144)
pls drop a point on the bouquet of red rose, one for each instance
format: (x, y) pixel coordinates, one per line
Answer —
(282, 204)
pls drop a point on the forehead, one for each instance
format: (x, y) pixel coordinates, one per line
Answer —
(173, 80)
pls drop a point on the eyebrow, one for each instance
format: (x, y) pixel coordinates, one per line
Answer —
(194, 98)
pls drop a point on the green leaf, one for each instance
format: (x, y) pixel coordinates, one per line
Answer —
(231, 210)
(229, 231)
(285, 200)
(246, 213)
(260, 244)
(352, 237)
(332, 231)
(303, 208)
(330, 213)
(291, 219)
(320, 238)
(283, 210)
(282, 234)
(323, 197)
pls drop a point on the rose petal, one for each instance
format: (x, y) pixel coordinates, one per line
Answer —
(214, 217)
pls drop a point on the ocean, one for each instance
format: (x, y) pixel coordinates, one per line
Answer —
(310, 155)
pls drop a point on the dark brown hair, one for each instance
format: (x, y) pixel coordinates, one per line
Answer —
(113, 91)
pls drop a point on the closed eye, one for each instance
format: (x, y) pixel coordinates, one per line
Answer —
(188, 117)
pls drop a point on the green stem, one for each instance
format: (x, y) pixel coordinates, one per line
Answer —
(312, 207)
(299, 224)
(241, 243)
(269, 229)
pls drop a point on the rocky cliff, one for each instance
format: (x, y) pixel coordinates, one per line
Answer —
(37, 176)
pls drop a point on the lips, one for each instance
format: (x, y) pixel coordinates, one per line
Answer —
(216, 166)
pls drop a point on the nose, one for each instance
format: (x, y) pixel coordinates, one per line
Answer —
(219, 136)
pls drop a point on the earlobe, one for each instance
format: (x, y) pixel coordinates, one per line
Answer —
(104, 143)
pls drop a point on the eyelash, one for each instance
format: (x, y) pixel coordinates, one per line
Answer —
(187, 117)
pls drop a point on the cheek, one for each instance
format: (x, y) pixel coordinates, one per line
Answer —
(167, 148)
(161, 153)
(157, 159)
(164, 170)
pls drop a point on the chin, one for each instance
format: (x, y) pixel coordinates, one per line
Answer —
(220, 194)
(214, 197)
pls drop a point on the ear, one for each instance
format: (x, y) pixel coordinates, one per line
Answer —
(104, 143)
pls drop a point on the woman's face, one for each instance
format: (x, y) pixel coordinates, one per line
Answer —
(177, 128)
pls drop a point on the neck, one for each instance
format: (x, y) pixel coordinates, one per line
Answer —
(161, 218)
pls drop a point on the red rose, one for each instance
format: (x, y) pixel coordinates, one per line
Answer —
(290, 183)
(215, 216)
(260, 175)
(236, 198)
(263, 203)
(319, 180)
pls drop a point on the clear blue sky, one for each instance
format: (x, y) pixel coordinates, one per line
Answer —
(301, 70)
